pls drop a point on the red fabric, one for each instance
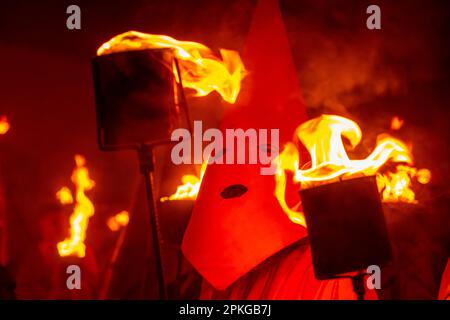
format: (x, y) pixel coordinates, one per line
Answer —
(444, 291)
(288, 275)
(226, 238)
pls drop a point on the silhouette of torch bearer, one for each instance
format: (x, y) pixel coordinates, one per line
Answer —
(139, 102)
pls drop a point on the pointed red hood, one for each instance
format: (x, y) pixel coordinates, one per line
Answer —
(227, 237)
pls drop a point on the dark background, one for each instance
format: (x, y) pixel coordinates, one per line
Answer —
(46, 88)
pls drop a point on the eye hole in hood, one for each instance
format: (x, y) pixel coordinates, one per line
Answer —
(233, 191)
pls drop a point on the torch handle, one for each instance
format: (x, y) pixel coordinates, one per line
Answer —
(146, 162)
(358, 285)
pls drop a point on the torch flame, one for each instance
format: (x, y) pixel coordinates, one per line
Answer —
(200, 69)
(189, 187)
(322, 137)
(287, 161)
(4, 125)
(83, 210)
(118, 221)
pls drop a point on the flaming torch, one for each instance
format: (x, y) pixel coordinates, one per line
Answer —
(82, 212)
(139, 87)
(4, 128)
(200, 69)
(341, 205)
(118, 221)
(322, 137)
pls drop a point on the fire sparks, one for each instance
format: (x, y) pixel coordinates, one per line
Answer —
(322, 137)
(118, 221)
(200, 69)
(83, 210)
(4, 125)
(189, 187)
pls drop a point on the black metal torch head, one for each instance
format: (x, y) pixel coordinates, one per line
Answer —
(136, 98)
(346, 227)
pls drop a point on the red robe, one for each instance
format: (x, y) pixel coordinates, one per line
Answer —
(444, 291)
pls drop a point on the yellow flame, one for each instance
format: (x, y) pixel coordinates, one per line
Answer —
(189, 187)
(118, 221)
(323, 138)
(83, 210)
(64, 195)
(287, 161)
(201, 70)
(396, 186)
(4, 125)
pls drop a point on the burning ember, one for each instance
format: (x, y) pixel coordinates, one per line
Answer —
(322, 137)
(118, 221)
(4, 125)
(190, 187)
(200, 69)
(83, 210)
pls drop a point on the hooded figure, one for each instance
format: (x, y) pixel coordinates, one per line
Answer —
(237, 223)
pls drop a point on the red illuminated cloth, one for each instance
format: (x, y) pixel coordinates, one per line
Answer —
(226, 238)
(444, 291)
(288, 275)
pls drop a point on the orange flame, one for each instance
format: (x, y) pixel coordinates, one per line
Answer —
(118, 221)
(396, 123)
(322, 137)
(83, 210)
(4, 125)
(189, 187)
(200, 69)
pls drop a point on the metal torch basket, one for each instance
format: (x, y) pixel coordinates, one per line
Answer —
(138, 100)
(346, 227)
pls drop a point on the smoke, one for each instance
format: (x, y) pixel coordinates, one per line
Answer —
(343, 65)
(340, 77)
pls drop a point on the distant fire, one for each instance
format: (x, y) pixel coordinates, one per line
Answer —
(201, 70)
(118, 221)
(322, 137)
(64, 195)
(83, 210)
(4, 125)
(189, 187)
(396, 123)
